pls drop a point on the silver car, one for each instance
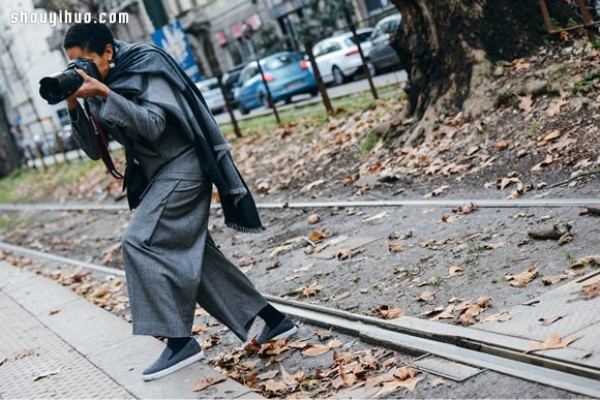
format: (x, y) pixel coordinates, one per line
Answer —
(212, 94)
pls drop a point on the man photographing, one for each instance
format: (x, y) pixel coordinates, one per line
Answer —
(137, 94)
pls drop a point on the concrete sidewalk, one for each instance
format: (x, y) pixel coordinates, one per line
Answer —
(81, 351)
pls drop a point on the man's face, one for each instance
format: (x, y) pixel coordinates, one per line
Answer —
(101, 61)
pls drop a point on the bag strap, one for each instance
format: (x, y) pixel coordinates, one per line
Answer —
(102, 144)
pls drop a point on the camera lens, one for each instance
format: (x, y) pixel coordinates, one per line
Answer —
(56, 88)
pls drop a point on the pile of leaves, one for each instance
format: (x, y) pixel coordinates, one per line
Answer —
(261, 369)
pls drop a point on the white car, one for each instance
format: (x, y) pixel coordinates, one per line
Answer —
(338, 58)
(212, 94)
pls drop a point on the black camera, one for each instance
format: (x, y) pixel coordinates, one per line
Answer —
(57, 87)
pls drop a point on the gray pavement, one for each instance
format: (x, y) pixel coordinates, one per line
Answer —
(56, 344)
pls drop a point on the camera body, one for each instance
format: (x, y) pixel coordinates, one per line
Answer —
(57, 87)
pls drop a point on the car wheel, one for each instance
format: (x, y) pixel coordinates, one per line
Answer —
(243, 110)
(338, 76)
(314, 93)
(288, 100)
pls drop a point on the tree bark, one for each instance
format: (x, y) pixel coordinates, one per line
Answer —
(10, 154)
(449, 48)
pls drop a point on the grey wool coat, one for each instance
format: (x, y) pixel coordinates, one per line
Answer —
(171, 262)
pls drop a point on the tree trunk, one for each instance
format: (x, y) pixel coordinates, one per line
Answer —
(448, 49)
(10, 154)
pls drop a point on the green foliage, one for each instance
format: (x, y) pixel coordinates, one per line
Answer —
(587, 83)
(322, 18)
(266, 41)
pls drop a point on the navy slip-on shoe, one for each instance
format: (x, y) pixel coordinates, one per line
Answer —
(283, 330)
(171, 360)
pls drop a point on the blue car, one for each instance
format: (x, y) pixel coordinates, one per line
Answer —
(287, 75)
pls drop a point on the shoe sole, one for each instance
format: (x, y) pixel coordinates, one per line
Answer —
(286, 334)
(181, 364)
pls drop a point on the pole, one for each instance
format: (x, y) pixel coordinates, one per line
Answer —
(216, 71)
(29, 100)
(363, 59)
(587, 19)
(318, 78)
(269, 97)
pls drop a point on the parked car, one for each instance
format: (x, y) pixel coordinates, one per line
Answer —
(212, 94)
(287, 75)
(230, 80)
(381, 54)
(338, 58)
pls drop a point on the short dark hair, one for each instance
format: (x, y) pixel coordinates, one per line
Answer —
(90, 36)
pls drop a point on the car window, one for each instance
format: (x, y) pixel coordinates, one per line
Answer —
(364, 36)
(279, 61)
(250, 72)
(331, 47)
(206, 86)
(376, 33)
(317, 50)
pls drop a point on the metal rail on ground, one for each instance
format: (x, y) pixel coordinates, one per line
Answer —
(441, 203)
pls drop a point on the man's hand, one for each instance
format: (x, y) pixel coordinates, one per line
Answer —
(91, 87)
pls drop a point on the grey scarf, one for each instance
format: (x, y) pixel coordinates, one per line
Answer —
(131, 63)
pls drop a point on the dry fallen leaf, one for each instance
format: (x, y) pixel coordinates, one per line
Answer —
(550, 280)
(502, 145)
(314, 218)
(466, 209)
(493, 246)
(203, 383)
(522, 279)
(199, 329)
(274, 386)
(526, 103)
(590, 291)
(553, 342)
(455, 270)
(311, 290)
(395, 247)
(267, 375)
(314, 350)
(388, 312)
(323, 334)
(437, 191)
(426, 296)
(317, 235)
(437, 382)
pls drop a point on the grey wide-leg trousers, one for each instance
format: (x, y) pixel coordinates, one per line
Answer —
(172, 263)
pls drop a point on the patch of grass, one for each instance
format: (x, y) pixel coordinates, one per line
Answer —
(313, 114)
(10, 222)
(533, 128)
(587, 83)
(28, 185)
(569, 258)
(369, 142)
(475, 248)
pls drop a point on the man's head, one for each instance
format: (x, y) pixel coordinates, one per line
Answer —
(91, 40)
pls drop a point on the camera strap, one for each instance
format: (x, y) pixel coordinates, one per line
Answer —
(102, 144)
